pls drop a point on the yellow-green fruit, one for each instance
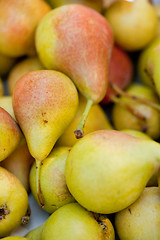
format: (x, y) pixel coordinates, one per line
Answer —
(13, 202)
(21, 68)
(6, 104)
(5, 64)
(141, 219)
(134, 23)
(35, 234)
(1, 88)
(52, 180)
(157, 9)
(96, 120)
(131, 114)
(15, 238)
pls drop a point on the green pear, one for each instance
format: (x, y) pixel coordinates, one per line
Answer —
(132, 114)
(52, 179)
(13, 202)
(15, 238)
(106, 170)
(92, 124)
(72, 222)
(6, 104)
(27, 65)
(44, 102)
(77, 41)
(1, 88)
(6, 64)
(35, 234)
(10, 134)
(135, 19)
(141, 219)
(95, 4)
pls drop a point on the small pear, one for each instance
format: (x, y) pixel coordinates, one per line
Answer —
(27, 65)
(106, 170)
(77, 41)
(52, 180)
(6, 63)
(35, 234)
(141, 219)
(135, 19)
(72, 222)
(1, 88)
(44, 102)
(92, 124)
(6, 104)
(129, 113)
(10, 134)
(19, 163)
(13, 202)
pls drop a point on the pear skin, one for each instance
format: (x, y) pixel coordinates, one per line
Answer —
(19, 163)
(18, 37)
(15, 238)
(92, 124)
(27, 65)
(106, 170)
(13, 202)
(141, 219)
(1, 88)
(6, 104)
(6, 63)
(35, 234)
(72, 221)
(10, 134)
(52, 180)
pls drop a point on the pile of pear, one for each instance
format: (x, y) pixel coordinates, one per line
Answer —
(76, 131)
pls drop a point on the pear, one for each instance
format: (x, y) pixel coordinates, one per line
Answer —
(17, 27)
(27, 65)
(141, 219)
(1, 88)
(129, 113)
(44, 102)
(19, 163)
(77, 41)
(35, 234)
(72, 222)
(6, 64)
(95, 4)
(135, 19)
(13, 202)
(6, 104)
(52, 180)
(15, 238)
(106, 170)
(10, 134)
(157, 9)
(92, 124)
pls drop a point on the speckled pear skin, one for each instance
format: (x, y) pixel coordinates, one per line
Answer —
(77, 41)
(106, 170)
(19, 20)
(10, 134)
(44, 102)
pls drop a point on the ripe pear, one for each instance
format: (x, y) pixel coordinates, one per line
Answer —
(27, 65)
(35, 234)
(19, 163)
(10, 134)
(52, 179)
(6, 64)
(141, 219)
(135, 19)
(44, 102)
(92, 124)
(106, 170)
(95, 4)
(6, 104)
(72, 222)
(120, 72)
(13, 202)
(15, 238)
(77, 41)
(17, 26)
(129, 113)
(1, 88)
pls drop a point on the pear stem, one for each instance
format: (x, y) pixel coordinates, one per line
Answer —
(135, 98)
(26, 218)
(39, 193)
(79, 131)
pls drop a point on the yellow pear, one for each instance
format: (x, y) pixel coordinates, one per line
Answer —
(6, 64)
(35, 234)
(6, 104)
